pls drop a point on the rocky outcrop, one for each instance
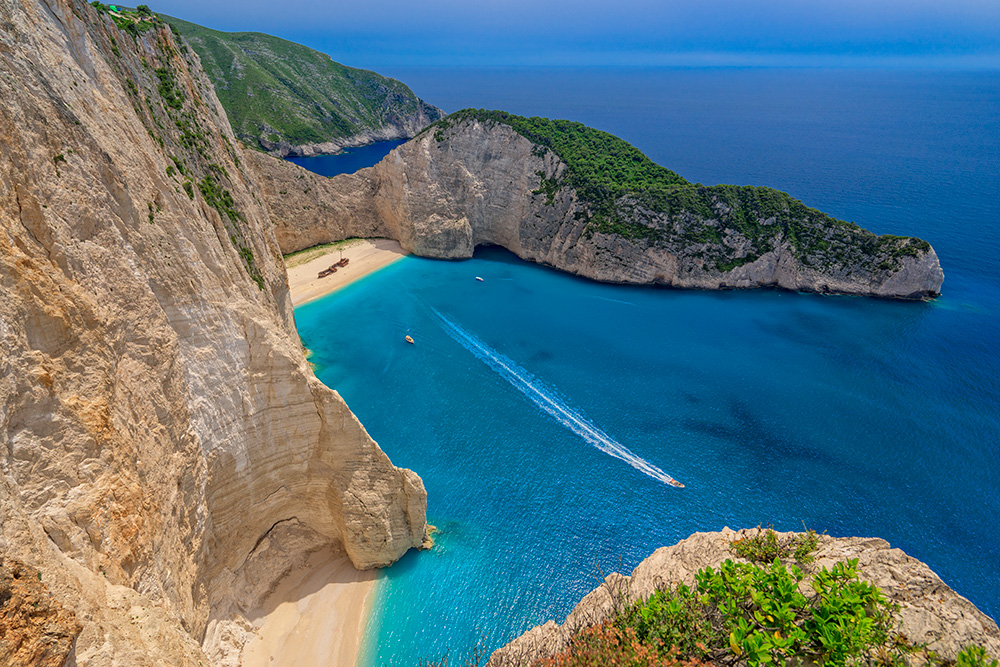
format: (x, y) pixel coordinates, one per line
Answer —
(160, 427)
(930, 613)
(34, 628)
(472, 182)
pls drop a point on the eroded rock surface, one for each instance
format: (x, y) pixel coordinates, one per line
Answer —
(158, 420)
(34, 628)
(930, 612)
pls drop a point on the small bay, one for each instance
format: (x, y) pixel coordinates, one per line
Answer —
(848, 415)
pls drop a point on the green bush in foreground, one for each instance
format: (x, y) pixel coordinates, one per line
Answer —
(974, 656)
(750, 614)
(757, 615)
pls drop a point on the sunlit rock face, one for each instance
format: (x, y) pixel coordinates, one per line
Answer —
(158, 419)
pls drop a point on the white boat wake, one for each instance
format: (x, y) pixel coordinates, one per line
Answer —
(549, 402)
(604, 298)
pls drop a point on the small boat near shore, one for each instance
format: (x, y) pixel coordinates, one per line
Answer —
(409, 339)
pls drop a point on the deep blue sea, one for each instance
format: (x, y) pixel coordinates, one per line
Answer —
(348, 160)
(541, 410)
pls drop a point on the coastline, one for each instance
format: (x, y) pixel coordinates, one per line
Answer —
(365, 255)
(317, 615)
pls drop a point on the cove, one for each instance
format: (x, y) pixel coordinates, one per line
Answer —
(849, 415)
(854, 416)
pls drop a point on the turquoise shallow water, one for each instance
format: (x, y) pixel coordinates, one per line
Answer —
(853, 416)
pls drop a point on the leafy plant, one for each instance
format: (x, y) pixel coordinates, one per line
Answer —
(219, 198)
(974, 656)
(765, 545)
(805, 545)
(180, 165)
(671, 617)
(548, 187)
(758, 615)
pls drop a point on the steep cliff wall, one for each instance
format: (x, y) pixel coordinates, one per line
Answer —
(308, 209)
(473, 180)
(929, 612)
(159, 425)
(34, 628)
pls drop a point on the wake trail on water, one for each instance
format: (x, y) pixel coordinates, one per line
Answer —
(604, 298)
(549, 402)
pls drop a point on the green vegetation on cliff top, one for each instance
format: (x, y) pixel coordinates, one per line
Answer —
(135, 22)
(764, 612)
(627, 194)
(277, 91)
(755, 615)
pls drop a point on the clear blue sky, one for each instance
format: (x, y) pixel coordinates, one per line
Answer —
(417, 33)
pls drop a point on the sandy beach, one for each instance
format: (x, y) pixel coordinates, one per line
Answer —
(365, 255)
(316, 616)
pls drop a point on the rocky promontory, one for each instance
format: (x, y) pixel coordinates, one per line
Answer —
(929, 614)
(577, 199)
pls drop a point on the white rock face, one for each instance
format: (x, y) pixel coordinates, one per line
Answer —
(930, 612)
(157, 416)
(445, 193)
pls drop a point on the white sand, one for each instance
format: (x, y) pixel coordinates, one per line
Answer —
(366, 256)
(316, 616)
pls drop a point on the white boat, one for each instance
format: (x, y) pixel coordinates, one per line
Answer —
(479, 279)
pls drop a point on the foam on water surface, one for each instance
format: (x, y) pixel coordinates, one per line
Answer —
(548, 400)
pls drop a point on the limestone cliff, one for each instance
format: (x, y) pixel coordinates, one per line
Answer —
(930, 613)
(308, 209)
(160, 429)
(34, 628)
(605, 212)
